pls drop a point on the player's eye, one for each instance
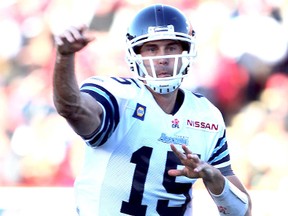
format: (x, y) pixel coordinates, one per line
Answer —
(173, 49)
(145, 50)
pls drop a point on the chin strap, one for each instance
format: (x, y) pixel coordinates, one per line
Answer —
(164, 87)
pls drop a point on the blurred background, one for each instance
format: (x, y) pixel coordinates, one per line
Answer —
(242, 67)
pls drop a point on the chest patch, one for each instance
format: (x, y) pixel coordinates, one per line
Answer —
(139, 112)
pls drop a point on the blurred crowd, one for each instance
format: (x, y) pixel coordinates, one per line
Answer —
(242, 67)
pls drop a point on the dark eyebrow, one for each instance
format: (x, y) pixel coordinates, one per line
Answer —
(174, 43)
(151, 44)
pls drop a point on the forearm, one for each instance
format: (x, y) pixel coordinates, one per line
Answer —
(228, 198)
(231, 200)
(81, 110)
(66, 92)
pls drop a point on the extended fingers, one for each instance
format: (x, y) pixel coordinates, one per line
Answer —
(182, 156)
(194, 166)
(175, 172)
(176, 151)
(186, 150)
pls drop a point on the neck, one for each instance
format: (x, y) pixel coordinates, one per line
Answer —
(166, 101)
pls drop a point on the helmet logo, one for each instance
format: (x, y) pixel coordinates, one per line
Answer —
(154, 29)
(161, 31)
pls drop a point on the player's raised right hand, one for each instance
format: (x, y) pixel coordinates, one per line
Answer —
(72, 40)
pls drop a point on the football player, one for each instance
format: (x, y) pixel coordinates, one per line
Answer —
(148, 140)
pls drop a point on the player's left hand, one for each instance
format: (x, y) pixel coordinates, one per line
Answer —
(194, 166)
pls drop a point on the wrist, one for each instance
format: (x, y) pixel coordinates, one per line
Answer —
(214, 181)
(60, 57)
(64, 54)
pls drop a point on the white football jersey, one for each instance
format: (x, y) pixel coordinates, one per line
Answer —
(127, 158)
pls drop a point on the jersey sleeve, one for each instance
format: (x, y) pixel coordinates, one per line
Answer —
(220, 157)
(110, 119)
(112, 93)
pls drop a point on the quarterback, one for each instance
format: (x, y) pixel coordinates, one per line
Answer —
(147, 139)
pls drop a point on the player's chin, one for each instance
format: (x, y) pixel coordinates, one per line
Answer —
(164, 75)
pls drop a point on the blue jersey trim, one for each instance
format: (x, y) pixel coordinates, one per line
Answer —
(111, 109)
(220, 153)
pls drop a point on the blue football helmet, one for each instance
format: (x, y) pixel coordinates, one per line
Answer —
(160, 22)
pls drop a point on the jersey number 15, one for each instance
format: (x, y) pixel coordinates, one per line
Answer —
(134, 206)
